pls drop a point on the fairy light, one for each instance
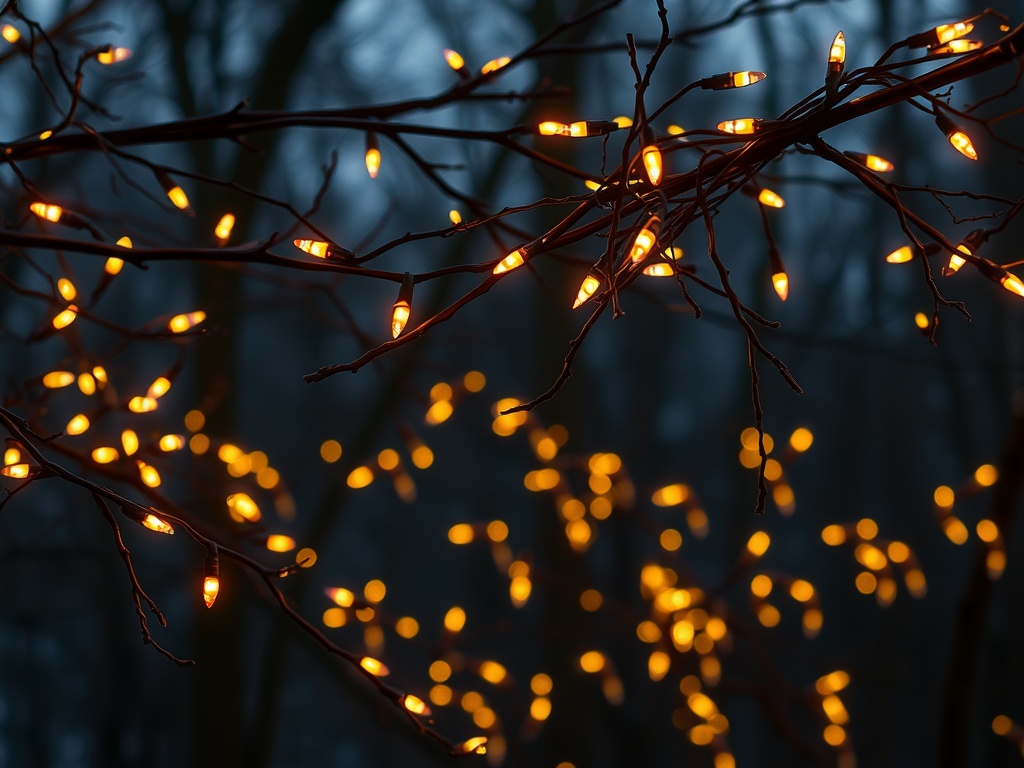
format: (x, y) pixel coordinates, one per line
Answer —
(651, 156)
(17, 471)
(514, 260)
(66, 289)
(372, 156)
(223, 229)
(111, 55)
(587, 289)
(140, 404)
(454, 217)
(77, 425)
(901, 255)
(415, 704)
(174, 192)
(969, 245)
(494, 65)
(58, 379)
(476, 745)
(105, 454)
(50, 213)
(659, 269)
(731, 80)
(211, 581)
(780, 280)
(10, 33)
(955, 46)
(403, 306)
(645, 239)
(130, 442)
(955, 135)
(578, 129)
(871, 162)
(770, 199)
(836, 57)
(997, 274)
(940, 35)
(456, 62)
(242, 508)
(154, 523)
(181, 323)
(740, 126)
(148, 474)
(65, 317)
(278, 542)
(374, 666)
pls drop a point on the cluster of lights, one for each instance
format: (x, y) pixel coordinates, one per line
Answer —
(877, 557)
(986, 529)
(774, 473)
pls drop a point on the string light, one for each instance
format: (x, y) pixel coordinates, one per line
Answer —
(49, 212)
(740, 126)
(780, 280)
(969, 245)
(645, 239)
(955, 46)
(174, 193)
(836, 58)
(372, 155)
(940, 35)
(181, 323)
(154, 523)
(403, 306)
(456, 62)
(961, 141)
(223, 229)
(579, 129)
(997, 274)
(10, 33)
(111, 55)
(652, 158)
(588, 287)
(494, 65)
(731, 80)
(515, 259)
(871, 162)
(211, 580)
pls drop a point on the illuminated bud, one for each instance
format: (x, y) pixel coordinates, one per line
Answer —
(476, 745)
(174, 193)
(731, 80)
(17, 471)
(372, 155)
(659, 269)
(652, 158)
(456, 62)
(211, 581)
(170, 443)
(403, 306)
(77, 425)
(322, 250)
(494, 65)
(740, 126)
(66, 289)
(10, 34)
(104, 454)
(66, 317)
(415, 704)
(942, 34)
(58, 379)
(764, 196)
(242, 508)
(111, 55)
(48, 212)
(181, 323)
(969, 245)
(588, 287)
(373, 666)
(139, 404)
(872, 162)
(515, 259)
(130, 442)
(780, 281)
(223, 230)
(454, 217)
(837, 54)
(645, 239)
(961, 141)
(955, 46)
(901, 255)
(154, 523)
(278, 542)
(149, 475)
(997, 274)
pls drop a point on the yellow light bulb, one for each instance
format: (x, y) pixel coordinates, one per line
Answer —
(771, 199)
(415, 704)
(10, 34)
(58, 379)
(962, 143)
(149, 475)
(170, 443)
(181, 323)
(551, 128)
(154, 523)
(129, 441)
(372, 157)
(645, 239)
(659, 269)
(901, 255)
(211, 586)
(945, 33)
(515, 259)
(104, 454)
(494, 65)
(160, 387)
(48, 212)
(740, 126)
(454, 59)
(278, 542)
(955, 46)
(77, 425)
(223, 230)
(652, 162)
(317, 248)
(140, 404)
(242, 508)
(587, 289)
(1012, 283)
(742, 79)
(454, 217)
(178, 197)
(113, 56)
(837, 53)
(17, 471)
(373, 666)
(66, 289)
(113, 265)
(780, 282)
(66, 317)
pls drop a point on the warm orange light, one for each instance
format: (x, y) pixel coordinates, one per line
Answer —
(399, 317)
(77, 425)
(493, 672)
(242, 508)
(372, 157)
(659, 269)
(278, 542)
(454, 59)
(104, 454)
(211, 586)
(66, 289)
(837, 53)
(223, 229)
(149, 474)
(130, 442)
(588, 287)
(771, 199)
(758, 543)
(945, 33)
(1012, 283)
(875, 163)
(732, 80)
(415, 704)
(341, 596)
(515, 259)
(66, 317)
(10, 34)
(170, 443)
(48, 212)
(961, 141)
(454, 217)
(181, 323)
(494, 65)
(154, 523)
(475, 745)
(780, 281)
(373, 666)
(955, 46)
(114, 264)
(58, 379)
(139, 404)
(740, 126)
(17, 471)
(112, 56)
(652, 160)
(901, 255)
(592, 661)
(645, 239)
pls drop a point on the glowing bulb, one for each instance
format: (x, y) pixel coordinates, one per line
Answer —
(139, 404)
(373, 666)
(278, 542)
(945, 33)
(112, 56)
(17, 471)
(645, 239)
(587, 289)
(372, 155)
(66, 289)
(780, 281)
(961, 141)
(77, 425)
(1012, 283)
(475, 745)
(211, 586)
(454, 217)
(731, 80)
(10, 34)
(130, 442)
(515, 259)
(170, 443)
(494, 65)
(740, 126)
(901, 255)
(66, 317)
(837, 53)
(242, 508)
(149, 475)
(771, 199)
(399, 317)
(154, 523)
(48, 212)
(223, 230)
(415, 704)
(659, 269)
(652, 159)
(455, 60)
(178, 197)
(955, 46)
(104, 454)
(58, 379)
(181, 323)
